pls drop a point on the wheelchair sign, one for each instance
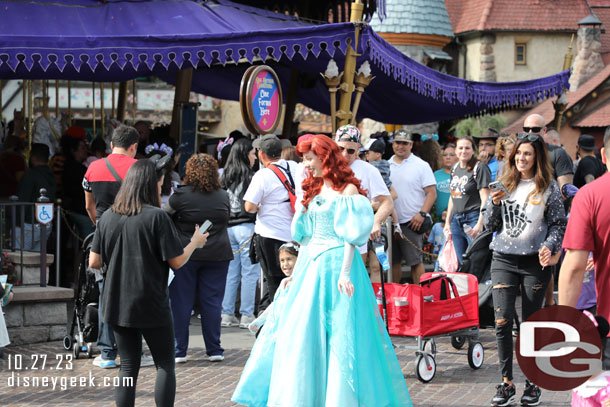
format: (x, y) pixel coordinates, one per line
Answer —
(44, 213)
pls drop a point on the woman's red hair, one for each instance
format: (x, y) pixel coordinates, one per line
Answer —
(334, 167)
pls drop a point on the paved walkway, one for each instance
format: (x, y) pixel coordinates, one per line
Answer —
(202, 383)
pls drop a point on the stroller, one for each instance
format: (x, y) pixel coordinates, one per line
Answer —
(85, 319)
(477, 261)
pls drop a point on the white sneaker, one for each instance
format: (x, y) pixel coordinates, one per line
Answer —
(228, 320)
(245, 321)
(146, 361)
(181, 359)
(217, 358)
(104, 363)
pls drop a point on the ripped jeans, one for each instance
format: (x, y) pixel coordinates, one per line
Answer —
(511, 274)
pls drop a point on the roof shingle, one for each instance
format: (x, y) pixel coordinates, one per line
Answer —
(414, 17)
(546, 109)
(598, 117)
(516, 15)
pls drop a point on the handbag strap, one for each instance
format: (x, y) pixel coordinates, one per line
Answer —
(278, 170)
(113, 171)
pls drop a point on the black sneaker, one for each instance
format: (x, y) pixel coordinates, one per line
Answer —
(531, 394)
(505, 395)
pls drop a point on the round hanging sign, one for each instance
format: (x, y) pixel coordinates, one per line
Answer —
(261, 99)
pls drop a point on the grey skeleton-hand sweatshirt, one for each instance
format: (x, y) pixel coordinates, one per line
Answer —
(525, 224)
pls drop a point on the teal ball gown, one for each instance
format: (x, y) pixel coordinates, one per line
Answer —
(319, 347)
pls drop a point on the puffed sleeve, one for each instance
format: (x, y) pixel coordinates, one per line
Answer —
(353, 219)
(301, 227)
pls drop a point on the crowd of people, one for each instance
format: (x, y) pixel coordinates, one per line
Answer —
(287, 214)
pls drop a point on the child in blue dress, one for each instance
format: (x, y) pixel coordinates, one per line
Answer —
(287, 254)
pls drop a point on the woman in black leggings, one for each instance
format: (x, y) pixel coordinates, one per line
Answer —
(137, 242)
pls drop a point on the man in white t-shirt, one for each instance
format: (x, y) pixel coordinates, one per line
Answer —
(415, 184)
(268, 198)
(348, 139)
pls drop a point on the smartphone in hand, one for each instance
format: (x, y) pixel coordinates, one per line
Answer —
(205, 227)
(497, 186)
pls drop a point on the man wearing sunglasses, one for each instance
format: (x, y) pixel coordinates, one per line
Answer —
(563, 171)
(415, 184)
(348, 139)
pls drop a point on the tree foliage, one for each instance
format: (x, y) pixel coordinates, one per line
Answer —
(474, 126)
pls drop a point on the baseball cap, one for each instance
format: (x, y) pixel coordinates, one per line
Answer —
(376, 145)
(587, 142)
(348, 133)
(402, 135)
(269, 144)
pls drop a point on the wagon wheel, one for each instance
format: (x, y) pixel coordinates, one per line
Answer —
(429, 346)
(476, 354)
(458, 342)
(425, 372)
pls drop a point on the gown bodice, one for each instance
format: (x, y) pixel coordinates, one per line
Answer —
(329, 222)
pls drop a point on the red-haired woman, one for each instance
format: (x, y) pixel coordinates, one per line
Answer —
(328, 346)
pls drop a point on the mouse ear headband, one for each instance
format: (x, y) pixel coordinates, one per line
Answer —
(160, 163)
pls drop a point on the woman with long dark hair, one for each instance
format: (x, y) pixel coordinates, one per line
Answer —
(203, 278)
(235, 180)
(137, 242)
(328, 335)
(469, 192)
(530, 221)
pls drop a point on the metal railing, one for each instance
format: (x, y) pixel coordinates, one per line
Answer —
(21, 232)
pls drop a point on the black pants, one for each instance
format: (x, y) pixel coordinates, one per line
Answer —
(515, 273)
(267, 250)
(160, 341)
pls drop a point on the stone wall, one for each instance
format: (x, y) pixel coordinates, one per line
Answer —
(488, 63)
(588, 61)
(33, 322)
(36, 314)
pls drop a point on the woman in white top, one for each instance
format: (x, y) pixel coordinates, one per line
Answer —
(530, 221)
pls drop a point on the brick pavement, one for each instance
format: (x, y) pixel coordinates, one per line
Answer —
(202, 383)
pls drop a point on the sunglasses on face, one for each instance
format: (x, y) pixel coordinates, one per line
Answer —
(402, 143)
(531, 137)
(532, 129)
(350, 151)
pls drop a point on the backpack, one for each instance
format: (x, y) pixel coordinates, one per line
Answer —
(288, 183)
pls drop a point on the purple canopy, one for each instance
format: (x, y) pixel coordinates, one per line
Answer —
(120, 40)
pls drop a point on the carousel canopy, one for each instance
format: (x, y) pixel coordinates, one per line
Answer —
(120, 40)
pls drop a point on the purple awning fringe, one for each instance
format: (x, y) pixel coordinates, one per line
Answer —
(428, 82)
(185, 51)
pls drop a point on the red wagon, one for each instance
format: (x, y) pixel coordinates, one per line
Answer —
(443, 304)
